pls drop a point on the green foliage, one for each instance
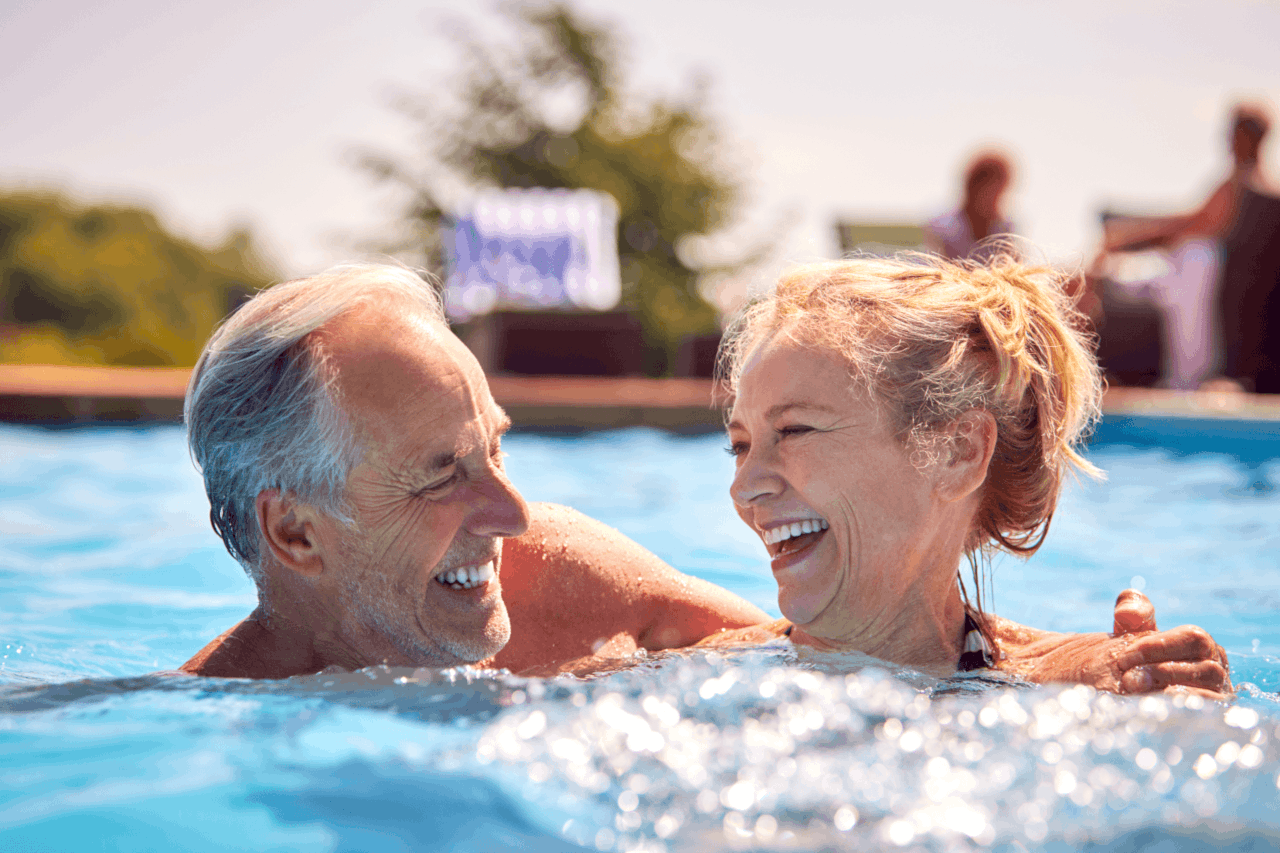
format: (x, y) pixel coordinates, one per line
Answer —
(108, 285)
(659, 159)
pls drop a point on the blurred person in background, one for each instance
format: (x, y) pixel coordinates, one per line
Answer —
(1243, 216)
(960, 233)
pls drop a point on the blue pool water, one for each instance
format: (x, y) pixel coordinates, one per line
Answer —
(109, 573)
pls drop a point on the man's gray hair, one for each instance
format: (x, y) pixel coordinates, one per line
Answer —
(262, 408)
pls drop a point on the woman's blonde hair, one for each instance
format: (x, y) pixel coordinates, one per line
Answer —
(935, 339)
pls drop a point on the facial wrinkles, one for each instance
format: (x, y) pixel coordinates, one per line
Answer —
(366, 599)
(841, 514)
(380, 602)
(496, 632)
(880, 560)
(859, 579)
(398, 499)
(857, 606)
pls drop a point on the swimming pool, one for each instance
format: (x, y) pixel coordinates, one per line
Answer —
(109, 572)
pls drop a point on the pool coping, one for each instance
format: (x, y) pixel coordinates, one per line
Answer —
(60, 394)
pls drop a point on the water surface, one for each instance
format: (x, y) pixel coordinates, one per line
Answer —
(109, 573)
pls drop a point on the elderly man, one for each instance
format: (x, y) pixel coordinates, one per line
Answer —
(351, 451)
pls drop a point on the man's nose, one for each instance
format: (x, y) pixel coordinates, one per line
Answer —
(501, 510)
(754, 479)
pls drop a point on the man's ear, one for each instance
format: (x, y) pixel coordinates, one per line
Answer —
(289, 532)
(970, 442)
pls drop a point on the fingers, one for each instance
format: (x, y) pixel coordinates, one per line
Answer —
(1134, 613)
(1199, 675)
(1186, 643)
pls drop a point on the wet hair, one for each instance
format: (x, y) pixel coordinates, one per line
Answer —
(934, 339)
(263, 408)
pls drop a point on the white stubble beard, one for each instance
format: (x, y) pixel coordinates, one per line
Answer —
(418, 650)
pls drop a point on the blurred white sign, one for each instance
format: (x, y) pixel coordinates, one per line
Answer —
(533, 249)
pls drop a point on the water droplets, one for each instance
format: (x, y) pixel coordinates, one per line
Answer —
(687, 747)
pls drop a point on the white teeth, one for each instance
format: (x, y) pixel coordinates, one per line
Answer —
(467, 577)
(798, 528)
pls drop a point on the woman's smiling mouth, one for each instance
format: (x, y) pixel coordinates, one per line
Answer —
(794, 536)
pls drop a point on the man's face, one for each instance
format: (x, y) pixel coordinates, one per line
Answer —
(415, 579)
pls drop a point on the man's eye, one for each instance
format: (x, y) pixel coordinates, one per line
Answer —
(797, 429)
(435, 488)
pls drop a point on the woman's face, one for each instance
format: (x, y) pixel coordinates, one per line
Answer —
(850, 523)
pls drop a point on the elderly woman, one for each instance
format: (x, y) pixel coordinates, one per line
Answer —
(892, 420)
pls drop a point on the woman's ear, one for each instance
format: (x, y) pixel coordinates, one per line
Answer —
(970, 443)
(289, 532)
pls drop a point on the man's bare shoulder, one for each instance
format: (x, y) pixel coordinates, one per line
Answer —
(247, 650)
(576, 546)
(574, 585)
(566, 555)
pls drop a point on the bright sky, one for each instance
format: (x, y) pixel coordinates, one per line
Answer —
(248, 111)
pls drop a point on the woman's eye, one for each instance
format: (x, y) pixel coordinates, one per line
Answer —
(737, 448)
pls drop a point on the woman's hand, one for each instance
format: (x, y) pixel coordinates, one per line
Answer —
(1137, 658)
(1184, 658)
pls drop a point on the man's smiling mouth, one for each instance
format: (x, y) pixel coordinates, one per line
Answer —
(794, 536)
(467, 577)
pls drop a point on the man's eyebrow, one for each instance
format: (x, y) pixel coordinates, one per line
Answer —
(442, 460)
(445, 460)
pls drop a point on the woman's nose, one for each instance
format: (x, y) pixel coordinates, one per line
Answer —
(754, 479)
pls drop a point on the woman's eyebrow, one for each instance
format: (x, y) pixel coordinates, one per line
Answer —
(779, 409)
(782, 408)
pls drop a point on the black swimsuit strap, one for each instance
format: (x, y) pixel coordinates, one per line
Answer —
(976, 652)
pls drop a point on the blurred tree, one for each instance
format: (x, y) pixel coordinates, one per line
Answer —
(109, 285)
(553, 113)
